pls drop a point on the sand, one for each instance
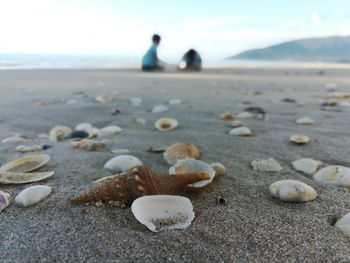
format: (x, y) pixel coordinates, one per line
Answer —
(251, 227)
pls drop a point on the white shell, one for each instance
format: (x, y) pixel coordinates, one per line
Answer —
(109, 130)
(32, 195)
(166, 124)
(122, 163)
(344, 224)
(58, 132)
(120, 151)
(307, 166)
(305, 120)
(219, 168)
(334, 175)
(159, 212)
(141, 120)
(4, 200)
(175, 101)
(103, 99)
(236, 124)
(292, 191)
(190, 165)
(27, 148)
(269, 165)
(244, 115)
(43, 136)
(299, 139)
(159, 108)
(241, 131)
(13, 139)
(136, 101)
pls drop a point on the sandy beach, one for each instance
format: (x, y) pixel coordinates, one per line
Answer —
(252, 226)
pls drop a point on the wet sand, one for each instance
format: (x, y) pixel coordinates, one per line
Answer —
(251, 227)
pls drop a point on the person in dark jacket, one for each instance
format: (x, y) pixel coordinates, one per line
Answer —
(191, 61)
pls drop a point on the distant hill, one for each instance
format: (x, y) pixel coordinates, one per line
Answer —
(327, 49)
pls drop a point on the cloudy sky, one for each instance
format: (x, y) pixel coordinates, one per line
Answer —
(215, 28)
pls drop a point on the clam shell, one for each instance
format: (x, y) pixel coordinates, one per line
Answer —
(219, 168)
(166, 124)
(23, 178)
(292, 191)
(305, 120)
(32, 195)
(227, 116)
(159, 108)
(190, 165)
(307, 166)
(244, 115)
(179, 151)
(122, 163)
(4, 200)
(344, 224)
(334, 175)
(109, 130)
(299, 139)
(58, 132)
(160, 212)
(175, 102)
(241, 131)
(26, 164)
(269, 165)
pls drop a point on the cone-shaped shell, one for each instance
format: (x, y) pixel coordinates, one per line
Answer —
(159, 212)
(26, 164)
(23, 178)
(166, 124)
(179, 151)
(137, 182)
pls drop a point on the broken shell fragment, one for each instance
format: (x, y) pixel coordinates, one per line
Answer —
(26, 164)
(58, 133)
(122, 163)
(334, 175)
(32, 195)
(159, 108)
(166, 124)
(89, 145)
(307, 166)
(219, 168)
(190, 165)
(23, 178)
(292, 191)
(109, 130)
(305, 120)
(4, 200)
(299, 139)
(159, 212)
(227, 116)
(179, 151)
(241, 131)
(269, 165)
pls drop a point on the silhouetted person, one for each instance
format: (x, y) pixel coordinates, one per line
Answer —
(150, 61)
(191, 61)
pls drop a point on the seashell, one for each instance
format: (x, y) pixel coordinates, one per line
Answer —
(241, 131)
(307, 166)
(190, 165)
(122, 163)
(23, 178)
(141, 121)
(244, 115)
(305, 120)
(159, 108)
(175, 102)
(179, 151)
(137, 182)
(26, 164)
(14, 139)
(120, 151)
(343, 224)
(219, 168)
(299, 139)
(32, 195)
(89, 145)
(103, 100)
(334, 175)
(159, 212)
(293, 191)
(269, 165)
(43, 136)
(4, 200)
(136, 101)
(26, 148)
(166, 124)
(227, 116)
(236, 124)
(340, 95)
(109, 130)
(58, 132)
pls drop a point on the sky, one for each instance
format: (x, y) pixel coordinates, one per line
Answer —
(217, 29)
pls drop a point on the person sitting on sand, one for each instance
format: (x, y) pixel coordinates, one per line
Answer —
(191, 61)
(150, 61)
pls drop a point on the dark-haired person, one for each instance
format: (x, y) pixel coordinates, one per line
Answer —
(150, 61)
(191, 61)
